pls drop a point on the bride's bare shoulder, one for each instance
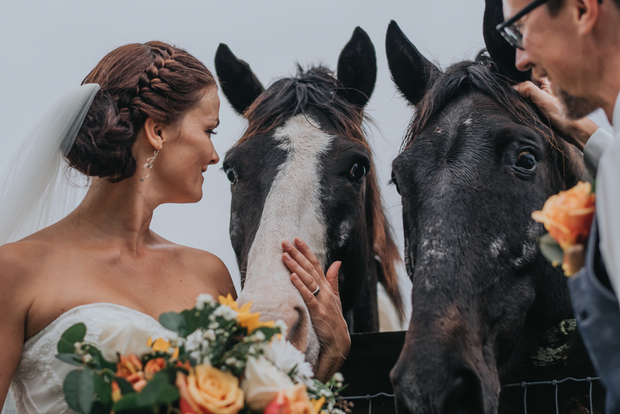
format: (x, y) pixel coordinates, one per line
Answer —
(21, 258)
(210, 268)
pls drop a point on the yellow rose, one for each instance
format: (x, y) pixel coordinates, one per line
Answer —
(210, 391)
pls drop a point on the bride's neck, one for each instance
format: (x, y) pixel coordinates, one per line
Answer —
(120, 211)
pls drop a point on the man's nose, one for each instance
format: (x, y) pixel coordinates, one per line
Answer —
(523, 61)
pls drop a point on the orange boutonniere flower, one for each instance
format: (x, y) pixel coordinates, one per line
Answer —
(567, 217)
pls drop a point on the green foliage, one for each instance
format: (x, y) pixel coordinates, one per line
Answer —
(79, 389)
(74, 334)
(158, 391)
(551, 249)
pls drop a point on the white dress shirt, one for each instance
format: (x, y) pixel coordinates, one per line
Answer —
(602, 156)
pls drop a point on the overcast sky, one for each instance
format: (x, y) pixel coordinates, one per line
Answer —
(48, 47)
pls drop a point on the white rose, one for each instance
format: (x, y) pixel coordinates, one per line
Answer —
(262, 382)
(123, 338)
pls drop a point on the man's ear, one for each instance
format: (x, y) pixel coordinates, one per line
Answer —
(586, 14)
(154, 133)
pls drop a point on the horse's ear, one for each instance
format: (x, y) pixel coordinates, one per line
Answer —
(501, 52)
(239, 84)
(411, 71)
(357, 69)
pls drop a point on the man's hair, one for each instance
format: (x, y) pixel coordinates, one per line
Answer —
(555, 5)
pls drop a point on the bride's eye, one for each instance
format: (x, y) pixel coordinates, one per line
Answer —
(211, 132)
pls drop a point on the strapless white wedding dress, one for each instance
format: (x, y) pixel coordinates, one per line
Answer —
(37, 383)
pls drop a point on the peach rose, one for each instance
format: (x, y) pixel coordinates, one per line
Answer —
(207, 390)
(294, 401)
(567, 216)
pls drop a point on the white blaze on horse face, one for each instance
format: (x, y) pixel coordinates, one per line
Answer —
(292, 209)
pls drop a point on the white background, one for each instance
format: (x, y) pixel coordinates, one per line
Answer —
(48, 47)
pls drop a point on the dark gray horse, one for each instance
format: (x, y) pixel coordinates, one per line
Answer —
(477, 161)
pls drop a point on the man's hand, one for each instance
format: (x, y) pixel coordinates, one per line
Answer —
(576, 132)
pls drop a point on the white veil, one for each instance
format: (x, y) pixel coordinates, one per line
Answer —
(36, 190)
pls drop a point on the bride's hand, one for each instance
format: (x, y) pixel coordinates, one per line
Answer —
(325, 308)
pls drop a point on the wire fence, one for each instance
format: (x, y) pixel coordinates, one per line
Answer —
(524, 385)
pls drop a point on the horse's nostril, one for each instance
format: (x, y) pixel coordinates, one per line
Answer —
(297, 330)
(464, 394)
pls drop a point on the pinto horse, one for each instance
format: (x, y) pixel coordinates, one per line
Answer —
(304, 168)
(476, 162)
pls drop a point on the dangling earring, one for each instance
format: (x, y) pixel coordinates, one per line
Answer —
(149, 165)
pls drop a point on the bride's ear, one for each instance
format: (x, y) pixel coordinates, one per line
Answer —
(153, 131)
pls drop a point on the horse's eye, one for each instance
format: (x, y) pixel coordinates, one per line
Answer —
(230, 174)
(395, 182)
(526, 161)
(358, 171)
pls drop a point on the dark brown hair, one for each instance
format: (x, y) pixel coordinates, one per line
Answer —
(137, 81)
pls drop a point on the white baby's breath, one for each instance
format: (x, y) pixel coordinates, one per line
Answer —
(202, 300)
(226, 312)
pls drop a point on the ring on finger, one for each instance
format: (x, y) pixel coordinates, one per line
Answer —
(316, 291)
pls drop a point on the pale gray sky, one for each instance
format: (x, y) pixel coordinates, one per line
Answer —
(49, 47)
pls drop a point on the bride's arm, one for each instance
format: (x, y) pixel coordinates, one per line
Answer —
(325, 308)
(14, 303)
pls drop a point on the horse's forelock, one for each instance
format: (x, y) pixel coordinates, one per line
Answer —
(312, 89)
(478, 76)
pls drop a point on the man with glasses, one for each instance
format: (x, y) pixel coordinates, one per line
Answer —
(573, 50)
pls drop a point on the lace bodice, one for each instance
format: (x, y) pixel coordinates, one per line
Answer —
(37, 383)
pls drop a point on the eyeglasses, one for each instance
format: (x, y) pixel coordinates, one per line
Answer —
(509, 29)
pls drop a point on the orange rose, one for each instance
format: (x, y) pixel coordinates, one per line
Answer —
(279, 405)
(207, 390)
(299, 401)
(116, 392)
(130, 368)
(294, 401)
(568, 215)
(128, 365)
(154, 365)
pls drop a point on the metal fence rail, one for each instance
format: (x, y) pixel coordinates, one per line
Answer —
(524, 385)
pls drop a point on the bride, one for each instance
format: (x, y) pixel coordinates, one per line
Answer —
(145, 140)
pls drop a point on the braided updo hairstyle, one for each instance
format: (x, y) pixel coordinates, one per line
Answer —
(137, 81)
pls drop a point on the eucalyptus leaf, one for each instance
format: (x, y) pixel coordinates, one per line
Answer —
(128, 402)
(150, 393)
(175, 322)
(168, 395)
(72, 359)
(103, 389)
(86, 389)
(74, 334)
(70, 387)
(551, 249)
(124, 385)
(99, 408)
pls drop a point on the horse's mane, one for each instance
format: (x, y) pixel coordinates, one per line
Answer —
(317, 88)
(480, 76)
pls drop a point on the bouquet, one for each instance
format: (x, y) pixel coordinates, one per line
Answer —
(220, 360)
(567, 217)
